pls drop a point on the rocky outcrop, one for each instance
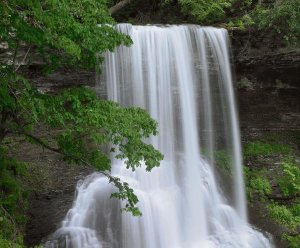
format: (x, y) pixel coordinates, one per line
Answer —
(60, 79)
(51, 183)
(258, 53)
(267, 76)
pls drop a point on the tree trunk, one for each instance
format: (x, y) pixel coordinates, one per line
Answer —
(119, 6)
(2, 135)
(3, 131)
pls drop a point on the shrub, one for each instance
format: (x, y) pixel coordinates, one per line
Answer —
(283, 215)
(257, 184)
(289, 182)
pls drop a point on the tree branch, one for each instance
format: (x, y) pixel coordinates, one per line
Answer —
(15, 55)
(282, 198)
(3, 133)
(3, 130)
(23, 60)
(11, 219)
(43, 144)
(119, 6)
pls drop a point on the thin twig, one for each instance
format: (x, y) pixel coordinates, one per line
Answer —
(15, 55)
(283, 198)
(23, 60)
(8, 215)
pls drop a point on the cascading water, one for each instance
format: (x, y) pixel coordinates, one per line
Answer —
(182, 76)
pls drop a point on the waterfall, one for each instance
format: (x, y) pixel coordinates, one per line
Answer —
(182, 76)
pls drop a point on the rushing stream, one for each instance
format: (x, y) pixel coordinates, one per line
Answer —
(195, 199)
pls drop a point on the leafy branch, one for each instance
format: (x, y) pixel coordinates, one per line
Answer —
(81, 125)
(124, 193)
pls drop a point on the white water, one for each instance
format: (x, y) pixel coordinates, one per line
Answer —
(182, 76)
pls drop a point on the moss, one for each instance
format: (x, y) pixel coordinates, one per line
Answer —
(259, 148)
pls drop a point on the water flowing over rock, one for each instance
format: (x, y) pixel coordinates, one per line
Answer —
(182, 76)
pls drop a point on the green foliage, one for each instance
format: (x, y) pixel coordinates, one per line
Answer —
(9, 230)
(293, 240)
(78, 29)
(216, 11)
(282, 200)
(257, 184)
(295, 208)
(81, 127)
(205, 11)
(241, 23)
(283, 215)
(12, 196)
(259, 148)
(289, 181)
(126, 193)
(283, 19)
(86, 126)
(5, 243)
(10, 190)
(280, 17)
(99, 122)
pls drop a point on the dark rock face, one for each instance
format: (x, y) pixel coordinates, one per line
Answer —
(46, 213)
(53, 182)
(256, 51)
(269, 109)
(60, 79)
(267, 75)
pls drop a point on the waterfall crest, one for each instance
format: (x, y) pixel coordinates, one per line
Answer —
(182, 76)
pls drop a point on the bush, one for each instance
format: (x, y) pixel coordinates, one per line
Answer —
(283, 215)
(293, 240)
(289, 182)
(4, 243)
(205, 11)
(283, 19)
(257, 184)
(12, 201)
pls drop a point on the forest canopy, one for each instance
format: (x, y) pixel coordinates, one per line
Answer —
(278, 17)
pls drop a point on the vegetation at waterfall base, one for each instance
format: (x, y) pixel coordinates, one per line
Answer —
(272, 177)
(12, 194)
(272, 174)
(79, 126)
